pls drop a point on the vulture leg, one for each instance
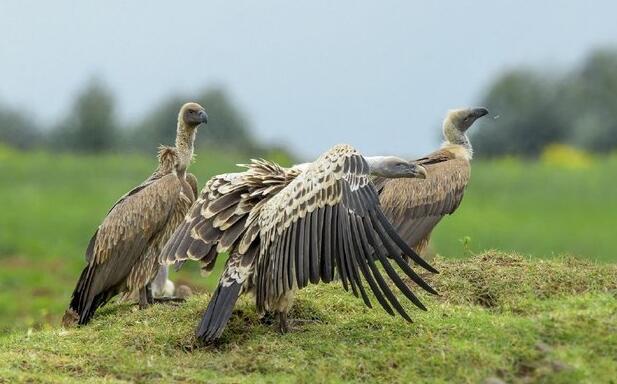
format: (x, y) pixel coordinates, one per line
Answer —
(283, 326)
(145, 297)
(149, 295)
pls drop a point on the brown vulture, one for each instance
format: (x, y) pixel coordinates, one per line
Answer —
(415, 206)
(122, 255)
(286, 228)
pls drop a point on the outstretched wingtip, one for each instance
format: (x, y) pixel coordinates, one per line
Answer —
(430, 268)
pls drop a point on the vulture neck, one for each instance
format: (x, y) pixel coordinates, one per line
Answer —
(185, 139)
(457, 141)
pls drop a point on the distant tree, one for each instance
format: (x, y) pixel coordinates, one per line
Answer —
(592, 103)
(536, 109)
(226, 127)
(18, 129)
(91, 125)
(528, 116)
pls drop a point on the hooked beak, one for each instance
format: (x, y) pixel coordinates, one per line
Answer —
(479, 112)
(203, 117)
(418, 171)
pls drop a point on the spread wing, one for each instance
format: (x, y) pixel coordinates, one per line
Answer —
(219, 220)
(415, 206)
(328, 220)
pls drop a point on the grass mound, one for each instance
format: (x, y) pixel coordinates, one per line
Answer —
(510, 282)
(498, 315)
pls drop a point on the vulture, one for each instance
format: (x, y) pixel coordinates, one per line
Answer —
(122, 256)
(415, 206)
(287, 227)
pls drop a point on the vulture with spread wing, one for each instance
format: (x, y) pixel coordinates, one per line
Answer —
(286, 228)
(123, 253)
(415, 206)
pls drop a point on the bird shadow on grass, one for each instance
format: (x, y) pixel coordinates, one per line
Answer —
(245, 324)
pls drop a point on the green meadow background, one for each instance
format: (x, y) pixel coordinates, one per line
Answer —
(565, 203)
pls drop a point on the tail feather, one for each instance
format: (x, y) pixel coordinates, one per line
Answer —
(219, 310)
(84, 302)
(76, 311)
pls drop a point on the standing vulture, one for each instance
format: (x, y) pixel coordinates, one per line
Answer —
(122, 255)
(286, 228)
(414, 206)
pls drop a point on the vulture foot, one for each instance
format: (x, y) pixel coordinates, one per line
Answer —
(285, 324)
(169, 300)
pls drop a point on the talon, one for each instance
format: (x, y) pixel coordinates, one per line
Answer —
(169, 299)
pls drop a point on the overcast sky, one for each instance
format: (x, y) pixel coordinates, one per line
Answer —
(378, 75)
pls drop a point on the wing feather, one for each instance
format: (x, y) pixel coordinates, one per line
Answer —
(224, 216)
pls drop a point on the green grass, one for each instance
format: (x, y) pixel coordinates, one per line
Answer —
(51, 205)
(498, 315)
(535, 209)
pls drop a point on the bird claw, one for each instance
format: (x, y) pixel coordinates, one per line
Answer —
(286, 325)
(169, 300)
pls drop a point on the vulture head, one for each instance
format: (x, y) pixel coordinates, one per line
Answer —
(462, 119)
(192, 114)
(394, 167)
(458, 121)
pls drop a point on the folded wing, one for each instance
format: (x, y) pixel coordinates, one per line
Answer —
(415, 206)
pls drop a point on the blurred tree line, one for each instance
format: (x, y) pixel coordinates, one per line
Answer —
(92, 125)
(533, 109)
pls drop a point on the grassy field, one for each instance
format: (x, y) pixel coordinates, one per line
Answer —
(51, 205)
(536, 209)
(498, 316)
